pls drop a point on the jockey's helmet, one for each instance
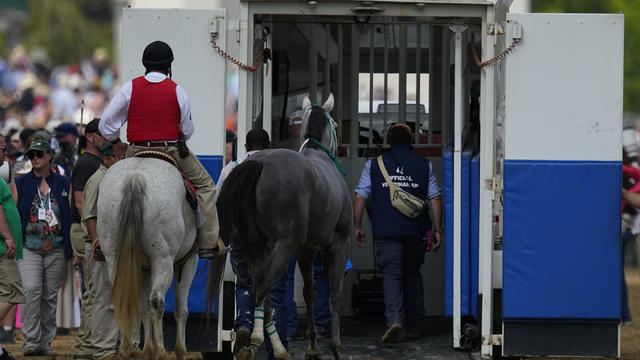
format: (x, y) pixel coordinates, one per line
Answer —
(157, 55)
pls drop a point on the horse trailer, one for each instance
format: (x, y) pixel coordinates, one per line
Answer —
(521, 115)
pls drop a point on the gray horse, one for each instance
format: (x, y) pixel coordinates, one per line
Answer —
(143, 212)
(283, 202)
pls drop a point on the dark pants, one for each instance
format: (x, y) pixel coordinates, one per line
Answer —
(400, 260)
(244, 302)
(321, 314)
(625, 313)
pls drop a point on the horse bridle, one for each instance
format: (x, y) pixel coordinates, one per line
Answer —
(333, 142)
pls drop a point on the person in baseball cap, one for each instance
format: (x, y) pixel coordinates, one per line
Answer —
(66, 129)
(92, 127)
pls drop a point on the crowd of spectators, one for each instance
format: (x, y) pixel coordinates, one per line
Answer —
(55, 103)
(35, 94)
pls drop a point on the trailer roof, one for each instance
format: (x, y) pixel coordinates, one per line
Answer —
(451, 2)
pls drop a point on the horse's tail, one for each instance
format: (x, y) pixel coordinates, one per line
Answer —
(236, 213)
(125, 294)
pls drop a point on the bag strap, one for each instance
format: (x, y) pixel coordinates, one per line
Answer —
(383, 169)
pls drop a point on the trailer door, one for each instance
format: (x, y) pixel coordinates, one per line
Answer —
(196, 67)
(201, 72)
(562, 179)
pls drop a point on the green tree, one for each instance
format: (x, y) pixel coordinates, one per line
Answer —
(631, 11)
(63, 29)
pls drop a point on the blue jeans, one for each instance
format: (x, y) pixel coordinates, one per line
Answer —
(400, 260)
(244, 302)
(321, 313)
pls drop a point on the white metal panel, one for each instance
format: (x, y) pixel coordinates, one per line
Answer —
(197, 67)
(564, 87)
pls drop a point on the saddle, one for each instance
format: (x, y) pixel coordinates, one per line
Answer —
(192, 197)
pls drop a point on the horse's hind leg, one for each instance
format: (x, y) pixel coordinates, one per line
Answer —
(305, 262)
(147, 351)
(274, 266)
(183, 280)
(161, 274)
(335, 261)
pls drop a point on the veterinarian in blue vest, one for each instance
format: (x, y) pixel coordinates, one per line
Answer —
(399, 238)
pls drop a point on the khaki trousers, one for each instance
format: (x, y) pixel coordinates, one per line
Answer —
(104, 328)
(208, 234)
(83, 339)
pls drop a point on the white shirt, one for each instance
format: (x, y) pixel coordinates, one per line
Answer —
(115, 115)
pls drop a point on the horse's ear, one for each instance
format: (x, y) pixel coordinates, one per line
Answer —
(328, 105)
(306, 103)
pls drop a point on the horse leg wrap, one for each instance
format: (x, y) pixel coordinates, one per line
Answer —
(279, 352)
(257, 337)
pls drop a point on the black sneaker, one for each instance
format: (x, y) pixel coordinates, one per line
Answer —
(394, 334)
(323, 334)
(49, 352)
(6, 356)
(6, 336)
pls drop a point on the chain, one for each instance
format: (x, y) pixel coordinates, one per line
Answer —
(495, 58)
(239, 63)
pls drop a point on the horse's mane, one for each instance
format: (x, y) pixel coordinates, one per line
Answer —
(316, 125)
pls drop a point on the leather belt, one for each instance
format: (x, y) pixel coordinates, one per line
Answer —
(153, 143)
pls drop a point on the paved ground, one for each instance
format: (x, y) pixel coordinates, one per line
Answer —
(361, 341)
(361, 338)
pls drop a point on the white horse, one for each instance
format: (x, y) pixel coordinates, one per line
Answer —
(143, 212)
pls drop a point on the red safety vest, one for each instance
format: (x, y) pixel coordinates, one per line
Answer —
(154, 112)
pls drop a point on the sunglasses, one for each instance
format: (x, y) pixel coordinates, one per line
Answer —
(36, 153)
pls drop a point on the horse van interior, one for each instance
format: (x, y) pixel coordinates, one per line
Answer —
(382, 70)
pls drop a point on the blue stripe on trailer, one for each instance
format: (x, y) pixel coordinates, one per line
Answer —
(197, 293)
(561, 252)
(213, 164)
(474, 184)
(196, 303)
(465, 273)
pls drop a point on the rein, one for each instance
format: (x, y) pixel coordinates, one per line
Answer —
(332, 155)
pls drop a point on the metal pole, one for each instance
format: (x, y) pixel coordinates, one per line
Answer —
(327, 64)
(267, 88)
(313, 65)
(402, 75)
(445, 97)
(387, 28)
(371, 58)
(339, 103)
(457, 184)
(487, 160)
(355, 69)
(417, 119)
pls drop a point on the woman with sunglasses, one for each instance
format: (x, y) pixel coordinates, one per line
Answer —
(43, 203)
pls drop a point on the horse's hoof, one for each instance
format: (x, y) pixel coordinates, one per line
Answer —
(245, 353)
(336, 352)
(256, 341)
(281, 356)
(312, 356)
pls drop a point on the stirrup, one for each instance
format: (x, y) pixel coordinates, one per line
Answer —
(211, 253)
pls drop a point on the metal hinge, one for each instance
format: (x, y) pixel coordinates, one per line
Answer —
(492, 340)
(495, 29)
(495, 185)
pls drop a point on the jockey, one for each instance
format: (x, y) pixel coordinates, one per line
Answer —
(158, 114)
